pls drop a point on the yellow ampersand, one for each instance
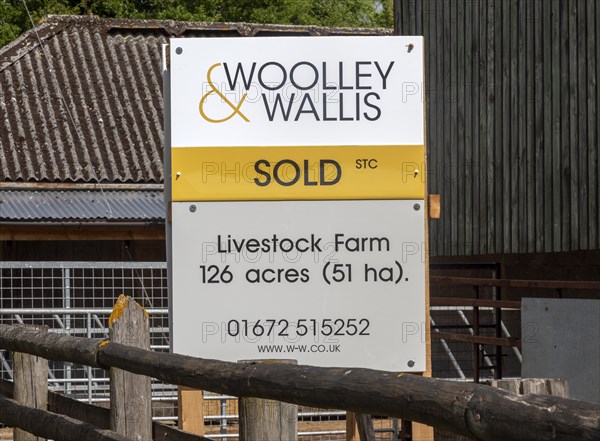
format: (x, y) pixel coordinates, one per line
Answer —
(236, 109)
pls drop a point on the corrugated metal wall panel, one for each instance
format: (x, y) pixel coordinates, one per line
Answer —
(512, 122)
(81, 205)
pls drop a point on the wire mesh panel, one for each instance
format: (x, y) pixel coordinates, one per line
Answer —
(76, 298)
(85, 285)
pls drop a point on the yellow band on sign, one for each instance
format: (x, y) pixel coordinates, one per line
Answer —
(298, 173)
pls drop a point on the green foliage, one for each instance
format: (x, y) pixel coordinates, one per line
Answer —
(9, 24)
(348, 13)
(14, 19)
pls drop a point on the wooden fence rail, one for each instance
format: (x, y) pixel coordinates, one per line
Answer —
(473, 410)
(96, 416)
(516, 283)
(52, 425)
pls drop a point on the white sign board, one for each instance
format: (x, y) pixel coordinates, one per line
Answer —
(325, 283)
(297, 200)
(285, 91)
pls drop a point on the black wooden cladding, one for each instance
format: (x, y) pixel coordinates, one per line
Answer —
(512, 122)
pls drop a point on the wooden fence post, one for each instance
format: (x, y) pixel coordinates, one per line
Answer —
(422, 432)
(190, 410)
(351, 427)
(359, 427)
(267, 420)
(30, 383)
(130, 394)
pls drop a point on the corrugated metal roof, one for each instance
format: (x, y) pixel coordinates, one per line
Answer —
(87, 106)
(107, 129)
(97, 205)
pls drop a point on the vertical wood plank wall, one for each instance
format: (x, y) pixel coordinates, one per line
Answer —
(512, 122)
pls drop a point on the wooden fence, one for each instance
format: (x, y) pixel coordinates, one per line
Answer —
(472, 410)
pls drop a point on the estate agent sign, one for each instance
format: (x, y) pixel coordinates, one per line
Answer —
(297, 189)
